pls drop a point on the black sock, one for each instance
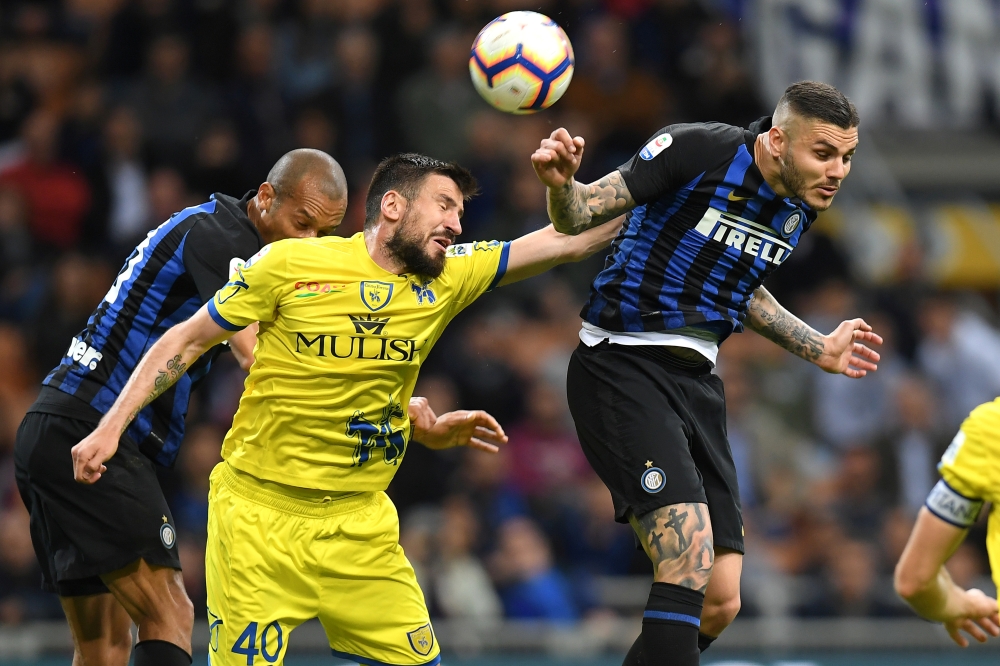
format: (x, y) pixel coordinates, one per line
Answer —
(160, 653)
(705, 642)
(634, 656)
(670, 626)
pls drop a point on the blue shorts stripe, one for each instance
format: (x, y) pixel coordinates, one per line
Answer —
(220, 320)
(366, 661)
(676, 617)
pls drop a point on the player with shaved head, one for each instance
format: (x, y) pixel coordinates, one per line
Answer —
(109, 550)
(712, 210)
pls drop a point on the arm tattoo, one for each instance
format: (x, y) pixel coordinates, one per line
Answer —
(165, 378)
(767, 317)
(575, 207)
(678, 539)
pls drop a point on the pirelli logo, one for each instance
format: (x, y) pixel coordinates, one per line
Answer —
(746, 236)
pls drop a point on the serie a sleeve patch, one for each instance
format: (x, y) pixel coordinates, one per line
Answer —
(952, 507)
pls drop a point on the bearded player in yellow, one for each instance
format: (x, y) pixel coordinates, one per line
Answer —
(970, 477)
(299, 523)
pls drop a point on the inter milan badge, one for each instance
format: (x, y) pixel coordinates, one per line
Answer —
(375, 295)
(792, 223)
(421, 640)
(167, 534)
(653, 479)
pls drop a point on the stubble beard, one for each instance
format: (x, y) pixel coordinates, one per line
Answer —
(405, 247)
(795, 182)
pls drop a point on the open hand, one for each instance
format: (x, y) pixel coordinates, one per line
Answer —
(845, 352)
(558, 158)
(475, 429)
(980, 619)
(90, 455)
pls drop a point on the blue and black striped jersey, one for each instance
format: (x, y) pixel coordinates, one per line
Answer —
(707, 232)
(173, 272)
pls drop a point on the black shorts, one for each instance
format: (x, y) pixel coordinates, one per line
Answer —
(655, 432)
(82, 531)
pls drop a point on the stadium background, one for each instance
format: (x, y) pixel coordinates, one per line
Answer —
(116, 113)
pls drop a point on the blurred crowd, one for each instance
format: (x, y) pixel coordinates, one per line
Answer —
(116, 113)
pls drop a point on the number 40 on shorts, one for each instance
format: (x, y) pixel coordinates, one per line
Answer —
(271, 637)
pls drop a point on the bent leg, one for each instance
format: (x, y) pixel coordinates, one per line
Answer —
(155, 598)
(722, 598)
(678, 540)
(102, 630)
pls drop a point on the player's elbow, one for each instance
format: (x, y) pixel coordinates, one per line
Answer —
(245, 363)
(909, 583)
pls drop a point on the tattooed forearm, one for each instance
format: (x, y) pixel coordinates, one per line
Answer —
(766, 316)
(165, 378)
(575, 207)
(678, 540)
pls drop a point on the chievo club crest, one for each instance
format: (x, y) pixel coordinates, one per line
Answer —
(375, 295)
(421, 640)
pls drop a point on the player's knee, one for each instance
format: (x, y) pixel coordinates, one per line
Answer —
(112, 649)
(719, 614)
(184, 610)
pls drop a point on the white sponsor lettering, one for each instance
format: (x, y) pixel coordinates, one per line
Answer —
(746, 236)
(84, 354)
(735, 239)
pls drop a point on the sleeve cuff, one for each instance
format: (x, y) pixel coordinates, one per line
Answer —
(213, 311)
(502, 268)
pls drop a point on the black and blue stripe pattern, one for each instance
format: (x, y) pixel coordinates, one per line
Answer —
(693, 254)
(152, 292)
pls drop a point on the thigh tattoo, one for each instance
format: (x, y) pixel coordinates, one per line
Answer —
(678, 539)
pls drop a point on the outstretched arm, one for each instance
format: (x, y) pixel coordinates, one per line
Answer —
(537, 252)
(162, 365)
(840, 352)
(923, 582)
(475, 429)
(575, 207)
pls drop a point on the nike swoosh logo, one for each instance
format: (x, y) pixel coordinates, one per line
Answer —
(734, 198)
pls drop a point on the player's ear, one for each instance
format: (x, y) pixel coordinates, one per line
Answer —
(393, 206)
(265, 197)
(777, 140)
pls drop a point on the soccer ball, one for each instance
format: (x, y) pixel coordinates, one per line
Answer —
(521, 62)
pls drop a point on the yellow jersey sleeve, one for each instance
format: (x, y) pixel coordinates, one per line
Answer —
(253, 290)
(475, 268)
(970, 468)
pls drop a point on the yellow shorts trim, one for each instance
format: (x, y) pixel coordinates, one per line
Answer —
(273, 562)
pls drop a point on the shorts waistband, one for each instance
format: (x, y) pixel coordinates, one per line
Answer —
(684, 362)
(244, 485)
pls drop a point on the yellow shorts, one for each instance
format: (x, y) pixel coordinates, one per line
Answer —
(274, 562)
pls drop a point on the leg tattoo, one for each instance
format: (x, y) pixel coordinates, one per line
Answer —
(678, 539)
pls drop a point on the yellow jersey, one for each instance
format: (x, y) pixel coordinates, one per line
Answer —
(970, 468)
(339, 347)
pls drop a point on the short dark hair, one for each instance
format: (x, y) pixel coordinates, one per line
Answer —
(405, 173)
(812, 99)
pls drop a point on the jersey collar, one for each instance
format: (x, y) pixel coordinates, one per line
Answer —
(361, 249)
(238, 209)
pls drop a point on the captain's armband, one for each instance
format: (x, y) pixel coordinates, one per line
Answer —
(953, 507)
